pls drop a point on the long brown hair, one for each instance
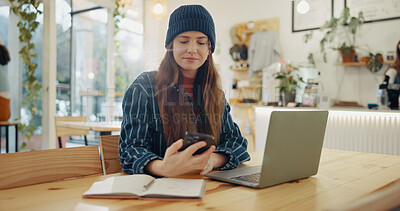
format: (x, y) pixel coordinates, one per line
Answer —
(176, 113)
(396, 64)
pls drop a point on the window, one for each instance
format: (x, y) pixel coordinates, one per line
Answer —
(128, 51)
(63, 22)
(4, 16)
(89, 60)
(82, 56)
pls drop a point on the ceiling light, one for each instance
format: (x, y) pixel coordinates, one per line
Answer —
(158, 9)
(90, 75)
(303, 7)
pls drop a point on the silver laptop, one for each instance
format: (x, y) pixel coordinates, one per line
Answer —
(292, 151)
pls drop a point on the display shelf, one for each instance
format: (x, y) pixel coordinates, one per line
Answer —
(250, 87)
(360, 64)
(240, 69)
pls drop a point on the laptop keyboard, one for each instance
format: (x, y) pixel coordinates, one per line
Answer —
(255, 178)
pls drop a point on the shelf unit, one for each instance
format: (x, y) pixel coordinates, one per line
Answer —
(360, 64)
(240, 69)
(251, 90)
(250, 87)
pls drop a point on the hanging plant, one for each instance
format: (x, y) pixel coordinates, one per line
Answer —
(339, 34)
(27, 11)
(118, 15)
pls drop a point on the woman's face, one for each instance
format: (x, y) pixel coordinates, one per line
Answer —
(190, 51)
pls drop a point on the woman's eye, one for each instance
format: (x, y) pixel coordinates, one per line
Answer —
(201, 43)
(183, 42)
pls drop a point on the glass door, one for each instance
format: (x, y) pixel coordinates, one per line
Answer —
(128, 51)
(63, 89)
(89, 59)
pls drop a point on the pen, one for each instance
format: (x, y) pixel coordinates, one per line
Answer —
(146, 187)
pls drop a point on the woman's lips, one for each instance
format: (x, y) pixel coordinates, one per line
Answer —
(191, 59)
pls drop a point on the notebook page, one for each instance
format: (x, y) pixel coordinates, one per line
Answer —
(101, 187)
(176, 187)
(120, 185)
(131, 184)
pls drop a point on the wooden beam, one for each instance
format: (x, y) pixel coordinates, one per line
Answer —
(49, 75)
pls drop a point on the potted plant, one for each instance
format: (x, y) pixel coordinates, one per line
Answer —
(374, 62)
(289, 80)
(340, 34)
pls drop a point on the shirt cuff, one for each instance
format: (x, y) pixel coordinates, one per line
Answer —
(152, 157)
(232, 161)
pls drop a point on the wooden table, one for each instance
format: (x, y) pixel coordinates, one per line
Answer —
(105, 128)
(343, 177)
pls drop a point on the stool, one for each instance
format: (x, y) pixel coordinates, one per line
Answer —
(7, 124)
(247, 110)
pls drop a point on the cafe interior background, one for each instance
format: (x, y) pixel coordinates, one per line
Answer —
(84, 67)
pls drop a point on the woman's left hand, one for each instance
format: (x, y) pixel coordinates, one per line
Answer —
(209, 166)
(216, 160)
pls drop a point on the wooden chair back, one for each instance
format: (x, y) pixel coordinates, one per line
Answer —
(61, 131)
(33, 167)
(109, 154)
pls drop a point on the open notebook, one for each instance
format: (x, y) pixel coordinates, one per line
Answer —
(145, 186)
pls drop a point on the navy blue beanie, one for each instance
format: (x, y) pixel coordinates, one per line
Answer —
(191, 18)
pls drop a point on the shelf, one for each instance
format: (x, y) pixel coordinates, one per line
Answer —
(245, 104)
(250, 87)
(241, 69)
(359, 64)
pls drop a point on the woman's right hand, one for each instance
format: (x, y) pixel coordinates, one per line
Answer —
(177, 163)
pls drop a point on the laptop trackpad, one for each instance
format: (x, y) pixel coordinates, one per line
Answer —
(236, 172)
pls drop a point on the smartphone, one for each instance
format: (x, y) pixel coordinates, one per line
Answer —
(193, 137)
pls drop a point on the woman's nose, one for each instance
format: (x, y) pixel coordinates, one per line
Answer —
(192, 48)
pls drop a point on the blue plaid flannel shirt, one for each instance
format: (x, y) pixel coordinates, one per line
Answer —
(142, 139)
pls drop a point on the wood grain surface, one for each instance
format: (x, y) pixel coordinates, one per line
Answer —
(343, 177)
(27, 168)
(109, 154)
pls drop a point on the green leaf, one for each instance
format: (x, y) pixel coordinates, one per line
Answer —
(307, 37)
(23, 145)
(30, 127)
(28, 135)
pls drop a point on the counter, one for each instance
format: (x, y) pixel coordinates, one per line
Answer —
(354, 129)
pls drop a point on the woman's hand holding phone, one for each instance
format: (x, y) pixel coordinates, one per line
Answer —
(194, 137)
(177, 162)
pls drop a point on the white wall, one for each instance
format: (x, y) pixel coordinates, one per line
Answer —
(348, 84)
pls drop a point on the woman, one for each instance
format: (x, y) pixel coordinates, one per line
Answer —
(394, 71)
(392, 76)
(5, 111)
(183, 95)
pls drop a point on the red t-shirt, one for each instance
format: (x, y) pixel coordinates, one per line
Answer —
(188, 85)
